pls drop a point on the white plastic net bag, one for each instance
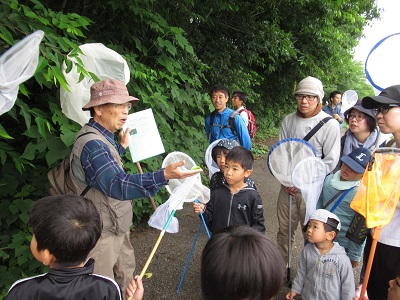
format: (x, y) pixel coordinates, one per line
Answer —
(181, 190)
(105, 63)
(284, 156)
(308, 176)
(17, 65)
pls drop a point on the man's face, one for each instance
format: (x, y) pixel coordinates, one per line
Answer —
(236, 102)
(219, 100)
(336, 100)
(306, 104)
(112, 116)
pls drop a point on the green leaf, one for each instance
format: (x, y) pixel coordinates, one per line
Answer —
(4, 134)
(6, 35)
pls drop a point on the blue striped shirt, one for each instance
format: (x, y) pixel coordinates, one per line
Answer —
(103, 172)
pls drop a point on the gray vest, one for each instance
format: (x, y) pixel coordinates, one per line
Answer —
(115, 214)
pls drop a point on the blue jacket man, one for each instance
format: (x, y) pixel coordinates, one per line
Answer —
(220, 128)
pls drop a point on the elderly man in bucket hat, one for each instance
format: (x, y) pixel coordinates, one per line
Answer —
(326, 142)
(97, 163)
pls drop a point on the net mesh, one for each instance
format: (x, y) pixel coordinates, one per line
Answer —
(285, 155)
(308, 176)
(379, 191)
(181, 190)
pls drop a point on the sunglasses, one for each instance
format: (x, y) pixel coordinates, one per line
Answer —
(383, 109)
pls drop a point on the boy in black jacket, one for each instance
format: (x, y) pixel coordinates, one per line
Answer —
(65, 229)
(234, 203)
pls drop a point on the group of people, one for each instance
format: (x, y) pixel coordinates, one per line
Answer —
(239, 261)
(346, 159)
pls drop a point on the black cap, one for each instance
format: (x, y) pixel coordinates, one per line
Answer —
(390, 95)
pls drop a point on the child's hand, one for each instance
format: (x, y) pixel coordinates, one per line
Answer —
(290, 295)
(197, 208)
(135, 289)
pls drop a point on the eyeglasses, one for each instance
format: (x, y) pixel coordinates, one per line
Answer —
(383, 109)
(357, 117)
(308, 97)
(121, 105)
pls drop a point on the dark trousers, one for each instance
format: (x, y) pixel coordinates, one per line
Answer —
(384, 268)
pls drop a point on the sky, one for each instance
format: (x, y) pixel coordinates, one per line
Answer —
(384, 62)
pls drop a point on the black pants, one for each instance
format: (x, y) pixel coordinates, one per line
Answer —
(384, 268)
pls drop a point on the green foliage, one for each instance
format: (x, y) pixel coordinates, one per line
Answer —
(175, 51)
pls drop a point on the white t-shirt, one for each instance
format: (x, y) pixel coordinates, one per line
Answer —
(243, 114)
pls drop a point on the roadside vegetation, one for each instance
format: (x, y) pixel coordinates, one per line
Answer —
(176, 50)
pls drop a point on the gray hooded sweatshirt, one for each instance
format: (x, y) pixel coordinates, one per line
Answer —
(324, 277)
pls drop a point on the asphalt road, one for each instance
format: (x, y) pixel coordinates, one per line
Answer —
(169, 261)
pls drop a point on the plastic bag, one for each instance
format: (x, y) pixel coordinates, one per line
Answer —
(17, 65)
(105, 63)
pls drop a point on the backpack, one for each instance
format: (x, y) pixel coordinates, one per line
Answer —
(60, 178)
(252, 125)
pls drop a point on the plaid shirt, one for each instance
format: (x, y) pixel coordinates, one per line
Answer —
(103, 172)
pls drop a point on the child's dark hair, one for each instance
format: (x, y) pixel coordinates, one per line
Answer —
(67, 226)
(217, 150)
(219, 88)
(242, 95)
(240, 263)
(241, 156)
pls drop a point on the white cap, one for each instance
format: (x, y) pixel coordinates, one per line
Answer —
(324, 215)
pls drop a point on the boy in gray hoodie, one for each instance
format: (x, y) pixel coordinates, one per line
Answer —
(324, 270)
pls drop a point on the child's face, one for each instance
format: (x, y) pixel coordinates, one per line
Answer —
(316, 232)
(394, 289)
(220, 160)
(234, 173)
(219, 100)
(347, 174)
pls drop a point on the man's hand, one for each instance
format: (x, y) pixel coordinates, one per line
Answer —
(124, 137)
(337, 117)
(354, 263)
(173, 171)
(291, 190)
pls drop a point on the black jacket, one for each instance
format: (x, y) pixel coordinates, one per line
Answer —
(74, 283)
(243, 208)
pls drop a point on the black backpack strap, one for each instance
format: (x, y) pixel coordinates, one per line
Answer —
(88, 187)
(333, 199)
(316, 128)
(212, 117)
(232, 123)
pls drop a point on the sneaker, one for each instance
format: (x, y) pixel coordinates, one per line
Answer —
(358, 292)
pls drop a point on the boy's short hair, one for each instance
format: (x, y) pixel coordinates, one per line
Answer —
(240, 263)
(219, 88)
(242, 156)
(242, 96)
(68, 226)
(330, 220)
